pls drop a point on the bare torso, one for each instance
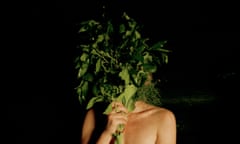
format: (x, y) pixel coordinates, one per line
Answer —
(147, 124)
(143, 127)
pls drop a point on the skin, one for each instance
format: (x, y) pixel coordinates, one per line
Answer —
(88, 127)
(146, 124)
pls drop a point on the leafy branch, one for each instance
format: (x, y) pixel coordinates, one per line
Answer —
(114, 60)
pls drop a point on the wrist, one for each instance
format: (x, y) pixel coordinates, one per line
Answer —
(105, 137)
(108, 132)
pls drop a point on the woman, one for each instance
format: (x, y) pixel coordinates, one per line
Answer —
(146, 124)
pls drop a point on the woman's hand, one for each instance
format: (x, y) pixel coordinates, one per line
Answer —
(118, 116)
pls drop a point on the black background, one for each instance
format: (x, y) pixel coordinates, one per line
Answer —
(42, 105)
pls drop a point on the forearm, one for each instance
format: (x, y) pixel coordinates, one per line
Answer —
(105, 138)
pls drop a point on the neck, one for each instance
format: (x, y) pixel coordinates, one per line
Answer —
(140, 106)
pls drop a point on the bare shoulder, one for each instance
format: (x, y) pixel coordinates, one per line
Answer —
(166, 126)
(88, 127)
(90, 112)
(164, 115)
(89, 120)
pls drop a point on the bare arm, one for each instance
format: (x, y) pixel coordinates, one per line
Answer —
(167, 130)
(88, 127)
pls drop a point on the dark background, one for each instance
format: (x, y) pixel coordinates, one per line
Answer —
(42, 104)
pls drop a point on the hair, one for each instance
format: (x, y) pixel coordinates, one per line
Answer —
(149, 94)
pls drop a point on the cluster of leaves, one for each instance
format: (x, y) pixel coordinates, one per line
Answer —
(113, 61)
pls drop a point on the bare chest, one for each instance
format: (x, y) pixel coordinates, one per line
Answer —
(140, 131)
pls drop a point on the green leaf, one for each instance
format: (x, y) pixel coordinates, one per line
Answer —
(95, 45)
(124, 75)
(88, 77)
(108, 109)
(83, 29)
(137, 35)
(128, 92)
(100, 38)
(147, 57)
(149, 68)
(78, 65)
(138, 57)
(79, 90)
(98, 66)
(93, 100)
(126, 16)
(109, 27)
(84, 89)
(95, 90)
(164, 50)
(132, 24)
(84, 57)
(107, 38)
(128, 33)
(85, 48)
(158, 45)
(94, 52)
(165, 57)
(83, 69)
(92, 23)
(130, 105)
(124, 101)
(122, 28)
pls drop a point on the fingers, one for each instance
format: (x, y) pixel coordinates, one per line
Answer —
(114, 120)
(119, 112)
(117, 117)
(117, 107)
